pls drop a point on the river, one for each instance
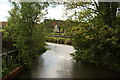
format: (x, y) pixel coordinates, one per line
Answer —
(57, 63)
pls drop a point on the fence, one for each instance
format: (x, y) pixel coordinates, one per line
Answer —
(9, 61)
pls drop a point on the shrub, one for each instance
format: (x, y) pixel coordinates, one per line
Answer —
(98, 45)
(59, 40)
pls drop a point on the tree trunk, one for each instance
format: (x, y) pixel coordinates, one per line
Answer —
(108, 12)
(113, 12)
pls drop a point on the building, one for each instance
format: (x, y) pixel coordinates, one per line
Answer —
(58, 26)
(2, 24)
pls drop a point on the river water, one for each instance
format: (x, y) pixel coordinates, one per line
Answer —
(57, 63)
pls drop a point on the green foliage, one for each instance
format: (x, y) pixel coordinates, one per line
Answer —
(27, 34)
(97, 38)
(8, 64)
(59, 40)
(99, 45)
(6, 33)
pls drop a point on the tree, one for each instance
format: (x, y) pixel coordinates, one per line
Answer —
(27, 29)
(108, 12)
(97, 39)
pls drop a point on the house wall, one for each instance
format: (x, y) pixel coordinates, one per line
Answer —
(2, 24)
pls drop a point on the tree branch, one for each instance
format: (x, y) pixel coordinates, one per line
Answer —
(97, 7)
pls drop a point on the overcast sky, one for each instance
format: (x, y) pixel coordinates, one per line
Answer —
(53, 13)
(56, 13)
(4, 8)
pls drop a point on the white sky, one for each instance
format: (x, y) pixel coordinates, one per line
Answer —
(4, 8)
(53, 13)
(56, 13)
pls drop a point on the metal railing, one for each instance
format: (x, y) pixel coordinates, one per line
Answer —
(9, 61)
(10, 56)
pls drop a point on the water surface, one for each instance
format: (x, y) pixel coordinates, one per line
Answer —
(57, 63)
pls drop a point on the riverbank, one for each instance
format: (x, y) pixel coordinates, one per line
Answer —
(57, 63)
(59, 40)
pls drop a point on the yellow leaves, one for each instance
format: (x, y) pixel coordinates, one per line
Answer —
(2, 30)
(87, 37)
(108, 39)
(90, 37)
(113, 40)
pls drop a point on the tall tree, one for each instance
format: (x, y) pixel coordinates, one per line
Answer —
(108, 12)
(98, 42)
(26, 26)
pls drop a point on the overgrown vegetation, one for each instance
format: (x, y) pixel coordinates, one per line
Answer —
(95, 35)
(59, 40)
(63, 36)
(27, 35)
(98, 41)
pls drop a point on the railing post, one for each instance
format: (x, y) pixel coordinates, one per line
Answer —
(6, 60)
(0, 54)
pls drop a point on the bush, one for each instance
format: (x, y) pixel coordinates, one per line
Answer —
(98, 45)
(59, 40)
(67, 41)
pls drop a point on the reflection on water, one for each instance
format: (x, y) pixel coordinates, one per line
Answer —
(57, 63)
